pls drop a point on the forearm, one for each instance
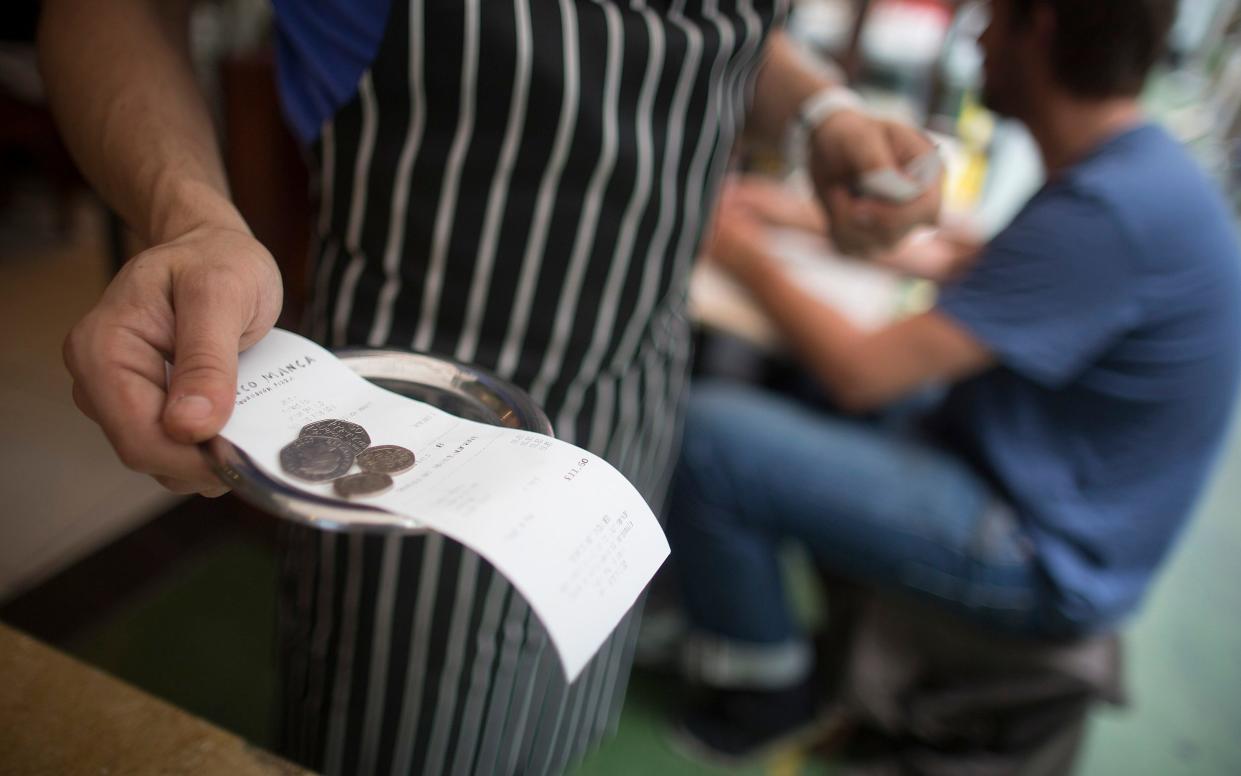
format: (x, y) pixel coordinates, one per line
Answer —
(825, 342)
(785, 79)
(121, 84)
(863, 369)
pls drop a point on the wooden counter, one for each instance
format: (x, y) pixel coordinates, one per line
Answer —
(60, 716)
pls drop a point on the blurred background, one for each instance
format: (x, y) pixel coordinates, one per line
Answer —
(178, 596)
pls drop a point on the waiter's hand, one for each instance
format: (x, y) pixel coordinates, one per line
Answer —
(195, 301)
(846, 146)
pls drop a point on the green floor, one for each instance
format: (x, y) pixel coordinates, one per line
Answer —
(1184, 653)
(203, 639)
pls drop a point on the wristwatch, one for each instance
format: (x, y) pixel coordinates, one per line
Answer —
(813, 111)
(824, 104)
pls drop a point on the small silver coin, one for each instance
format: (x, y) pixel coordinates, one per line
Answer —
(352, 433)
(317, 458)
(386, 459)
(362, 485)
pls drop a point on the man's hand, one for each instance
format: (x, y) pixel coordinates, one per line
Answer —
(195, 301)
(941, 255)
(736, 239)
(845, 147)
(774, 203)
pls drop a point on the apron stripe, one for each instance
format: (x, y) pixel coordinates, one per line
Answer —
(467, 345)
(691, 196)
(357, 212)
(420, 634)
(709, 138)
(321, 633)
(327, 267)
(669, 446)
(597, 716)
(540, 745)
(293, 624)
(317, 312)
(453, 663)
(394, 247)
(584, 720)
(629, 406)
(588, 222)
(378, 675)
(344, 665)
(520, 726)
(624, 667)
(480, 675)
(327, 171)
(532, 259)
(639, 201)
(445, 216)
(601, 427)
(566, 735)
(503, 684)
(657, 258)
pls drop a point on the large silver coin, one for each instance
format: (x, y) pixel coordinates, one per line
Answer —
(352, 433)
(386, 459)
(362, 485)
(317, 458)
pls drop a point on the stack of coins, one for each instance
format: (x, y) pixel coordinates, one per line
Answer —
(326, 451)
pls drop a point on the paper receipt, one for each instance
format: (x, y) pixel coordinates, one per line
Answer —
(562, 525)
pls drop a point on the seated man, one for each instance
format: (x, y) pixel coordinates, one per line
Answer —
(1093, 353)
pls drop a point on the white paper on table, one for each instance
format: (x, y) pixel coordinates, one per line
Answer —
(563, 526)
(868, 295)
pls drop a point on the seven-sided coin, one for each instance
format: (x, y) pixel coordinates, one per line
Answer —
(362, 485)
(317, 458)
(352, 433)
(386, 459)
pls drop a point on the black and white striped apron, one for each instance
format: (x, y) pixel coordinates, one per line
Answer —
(519, 184)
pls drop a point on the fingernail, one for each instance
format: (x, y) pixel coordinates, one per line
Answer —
(191, 409)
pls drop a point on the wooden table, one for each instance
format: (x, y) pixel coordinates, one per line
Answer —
(60, 716)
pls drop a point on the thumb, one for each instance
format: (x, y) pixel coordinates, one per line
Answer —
(209, 324)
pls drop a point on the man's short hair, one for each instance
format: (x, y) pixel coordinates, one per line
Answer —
(1104, 48)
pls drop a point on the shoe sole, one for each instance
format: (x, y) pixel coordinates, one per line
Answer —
(824, 730)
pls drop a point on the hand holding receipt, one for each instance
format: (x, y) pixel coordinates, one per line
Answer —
(560, 523)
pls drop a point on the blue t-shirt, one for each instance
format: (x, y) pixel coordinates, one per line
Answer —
(1113, 304)
(322, 50)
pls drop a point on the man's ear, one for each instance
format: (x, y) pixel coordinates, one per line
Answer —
(1043, 26)
(1037, 45)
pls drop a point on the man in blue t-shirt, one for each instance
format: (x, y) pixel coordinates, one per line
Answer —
(1093, 352)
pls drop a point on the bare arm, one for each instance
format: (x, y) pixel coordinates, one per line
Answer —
(865, 370)
(122, 88)
(841, 148)
(861, 370)
(785, 79)
(121, 84)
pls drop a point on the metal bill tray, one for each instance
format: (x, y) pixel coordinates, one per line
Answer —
(465, 391)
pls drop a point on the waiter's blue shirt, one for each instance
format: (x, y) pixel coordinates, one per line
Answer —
(323, 48)
(1113, 304)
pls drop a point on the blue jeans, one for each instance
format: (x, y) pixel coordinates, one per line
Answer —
(872, 505)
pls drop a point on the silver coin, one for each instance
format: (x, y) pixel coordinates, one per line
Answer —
(362, 485)
(317, 458)
(386, 459)
(352, 433)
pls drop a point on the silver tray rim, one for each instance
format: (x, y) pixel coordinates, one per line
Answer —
(236, 469)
